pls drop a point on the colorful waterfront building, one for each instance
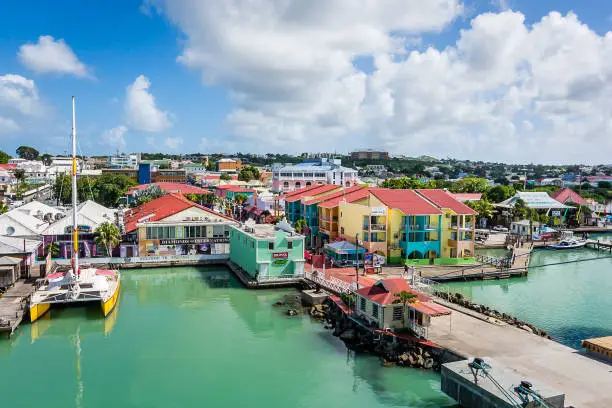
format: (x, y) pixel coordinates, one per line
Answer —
(377, 306)
(329, 212)
(173, 225)
(397, 224)
(267, 252)
(295, 208)
(458, 226)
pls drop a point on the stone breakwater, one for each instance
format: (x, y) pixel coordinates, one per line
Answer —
(458, 299)
(391, 349)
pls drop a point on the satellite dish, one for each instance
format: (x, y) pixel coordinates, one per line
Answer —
(10, 230)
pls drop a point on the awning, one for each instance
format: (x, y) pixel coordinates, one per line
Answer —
(430, 308)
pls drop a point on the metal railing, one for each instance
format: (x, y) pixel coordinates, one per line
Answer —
(418, 329)
(286, 277)
(332, 284)
(378, 227)
(500, 263)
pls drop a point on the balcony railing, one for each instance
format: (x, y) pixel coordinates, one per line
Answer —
(421, 331)
(420, 227)
(378, 227)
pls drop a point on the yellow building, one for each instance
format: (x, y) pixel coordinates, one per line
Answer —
(458, 225)
(406, 226)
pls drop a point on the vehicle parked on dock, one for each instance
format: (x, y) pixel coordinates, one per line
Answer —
(500, 228)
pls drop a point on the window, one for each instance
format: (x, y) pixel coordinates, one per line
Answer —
(286, 184)
(290, 245)
(398, 312)
(253, 244)
(342, 230)
(362, 304)
(375, 310)
(271, 246)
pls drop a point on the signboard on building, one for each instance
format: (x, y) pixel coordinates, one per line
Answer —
(194, 241)
(280, 255)
(81, 228)
(378, 211)
(555, 213)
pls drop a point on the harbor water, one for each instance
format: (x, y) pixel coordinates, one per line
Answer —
(572, 301)
(193, 337)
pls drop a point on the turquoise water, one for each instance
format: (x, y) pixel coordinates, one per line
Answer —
(571, 301)
(193, 337)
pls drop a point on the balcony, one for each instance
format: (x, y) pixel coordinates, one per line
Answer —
(420, 227)
(378, 227)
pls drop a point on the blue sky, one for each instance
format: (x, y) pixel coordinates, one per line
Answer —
(291, 90)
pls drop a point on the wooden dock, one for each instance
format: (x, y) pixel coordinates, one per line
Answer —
(13, 306)
(600, 245)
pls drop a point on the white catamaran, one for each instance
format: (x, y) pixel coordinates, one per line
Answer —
(76, 285)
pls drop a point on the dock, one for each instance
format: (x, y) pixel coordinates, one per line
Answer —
(13, 307)
(584, 380)
(600, 245)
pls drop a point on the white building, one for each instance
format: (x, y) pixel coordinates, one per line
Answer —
(35, 171)
(321, 171)
(16, 160)
(126, 161)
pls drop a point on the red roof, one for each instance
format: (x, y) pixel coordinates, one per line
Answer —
(170, 187)
(349, 197)
(383, 292)
(567, 194)
(320, 189)
(444, 199)
(300, 191)
(8, 166)
(235, 189)
(333, 195)
(161, 208)
(407, 201)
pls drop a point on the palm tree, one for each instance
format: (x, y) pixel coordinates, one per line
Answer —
(405, 298)
(240, 198)
(53, 249)
(300, 225)
(108, 235)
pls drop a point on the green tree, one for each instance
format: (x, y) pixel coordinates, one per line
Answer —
(27, 152)
(249, 173)
(85, 189)
(20, 176)
(108, 236)
(499, 193)
(300, 225)
(225, 177)
(520, 210)
(46, 159)
(148, 194)
(240, 198)
(470, 185)
(53, 248)
(604, 184)
(111, 187)
(4, 158)
(483, 207)
(402, 183)
(62, 189)
(3, 207)
(405, 298)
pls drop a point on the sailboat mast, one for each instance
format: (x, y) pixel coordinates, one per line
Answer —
(75, 230)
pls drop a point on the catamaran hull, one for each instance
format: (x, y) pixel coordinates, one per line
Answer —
(109, 305)
(38, 310)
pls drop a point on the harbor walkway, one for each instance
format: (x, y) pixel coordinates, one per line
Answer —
(12, 306)
(585, 381)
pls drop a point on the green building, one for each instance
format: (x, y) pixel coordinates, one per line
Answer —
(268, 252)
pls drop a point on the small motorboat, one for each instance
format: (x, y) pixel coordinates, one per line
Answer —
(568, 244)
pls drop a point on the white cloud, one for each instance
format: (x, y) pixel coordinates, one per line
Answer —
(115, 137)
(19, 93)
(51, 56)
(8, 125)
(173, 142)
(289, 66)
(141, 110)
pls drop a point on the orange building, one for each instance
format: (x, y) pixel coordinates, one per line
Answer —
(229, 165)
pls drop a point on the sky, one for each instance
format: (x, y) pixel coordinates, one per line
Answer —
(515, 81)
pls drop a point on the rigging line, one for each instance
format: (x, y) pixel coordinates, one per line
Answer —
(88, 180)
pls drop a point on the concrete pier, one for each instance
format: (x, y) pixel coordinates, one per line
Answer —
(586, 382)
